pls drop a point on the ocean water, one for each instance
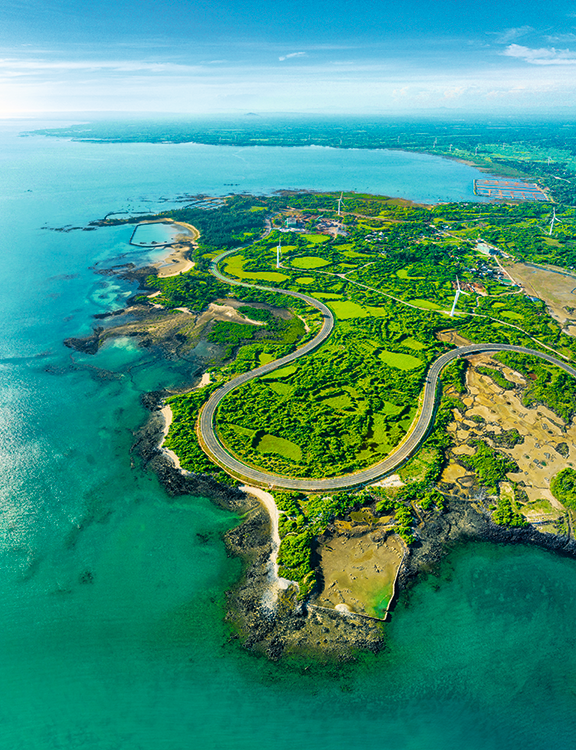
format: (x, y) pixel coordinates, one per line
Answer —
(112, 594)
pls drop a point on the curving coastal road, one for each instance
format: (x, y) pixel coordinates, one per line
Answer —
(215, 450)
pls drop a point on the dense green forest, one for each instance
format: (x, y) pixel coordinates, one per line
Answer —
(563, 487)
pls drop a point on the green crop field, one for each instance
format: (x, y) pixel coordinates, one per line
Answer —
(316, 239)
(282, 389)
(235, 267)
(345, 310)
(340, 401)
(413, 344)
(511, 315)
(403, 273)
(354, 254)
(425, 304)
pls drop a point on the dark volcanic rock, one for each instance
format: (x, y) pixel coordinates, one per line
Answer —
(87, 344)
(266, 621)
(463, 523)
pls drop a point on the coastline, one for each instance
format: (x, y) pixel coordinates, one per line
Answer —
(265, 608)
(177, 260)
(168, 416)
(262, 608)
(267, 618)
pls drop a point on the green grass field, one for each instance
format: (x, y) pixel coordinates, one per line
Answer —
(282, 389)
(345, 310)
(425, 304)
(390, 409)
(316, 239)
(242, 431)
(354, 254)
(404, 274)
(283, 372)
(413, 344)
(235, 267)
(339, 401)
(305, 280)
(376, 312)
(265, 357)
(400, 361)
(511, 315)
(280, 446)
(309, 261)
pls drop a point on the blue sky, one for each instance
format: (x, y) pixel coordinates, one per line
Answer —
(195, 56)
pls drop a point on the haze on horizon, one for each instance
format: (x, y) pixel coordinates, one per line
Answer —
(199, 57)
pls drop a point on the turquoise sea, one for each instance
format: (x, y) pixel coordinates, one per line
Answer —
(112, 594)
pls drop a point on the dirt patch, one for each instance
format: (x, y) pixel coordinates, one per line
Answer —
(555, 286)
(359, 571)
(452, 337)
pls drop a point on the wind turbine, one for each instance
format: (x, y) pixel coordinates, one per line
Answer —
(554, 219)
(340, 204)
(458, 293)
(435, 142)
(278, 249)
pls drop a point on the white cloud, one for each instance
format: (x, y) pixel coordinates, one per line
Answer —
(509, 35)
(293, 54)
(48, 83)
(20, 66)
(561, 38)
(541, 56)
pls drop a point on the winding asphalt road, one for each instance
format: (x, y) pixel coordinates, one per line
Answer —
(216, 451)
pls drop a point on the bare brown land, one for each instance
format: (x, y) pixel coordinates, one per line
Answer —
(359, 565)
(555, 286)
(537, 457)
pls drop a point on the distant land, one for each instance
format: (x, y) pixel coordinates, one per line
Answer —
(531, 148)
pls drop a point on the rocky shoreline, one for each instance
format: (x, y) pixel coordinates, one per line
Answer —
(275, 624)
(278, 624)
(465, 521)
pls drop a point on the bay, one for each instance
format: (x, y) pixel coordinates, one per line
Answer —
(112, 605)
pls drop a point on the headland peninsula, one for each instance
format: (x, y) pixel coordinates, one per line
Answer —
(332, 333)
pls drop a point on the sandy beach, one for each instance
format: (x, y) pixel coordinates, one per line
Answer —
(269, 503)
(166, 412)
(177, 260)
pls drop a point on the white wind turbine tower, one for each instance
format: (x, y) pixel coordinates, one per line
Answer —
(278, 249)
(456, 297)
(340, 204)
(554, 220)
